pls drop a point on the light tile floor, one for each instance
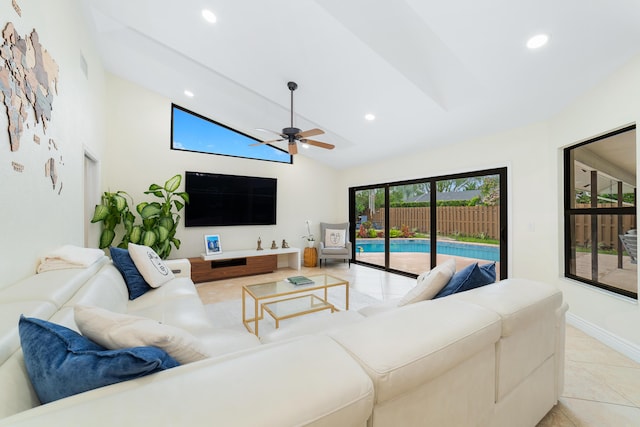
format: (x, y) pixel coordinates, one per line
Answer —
(602, 387)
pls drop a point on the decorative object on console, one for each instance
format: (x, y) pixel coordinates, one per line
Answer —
(273, 245)
(259, 248)
(293, 134)
(212, 244)
(159, 221)
(285, 245)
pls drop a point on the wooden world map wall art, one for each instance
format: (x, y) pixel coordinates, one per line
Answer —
(28, 84)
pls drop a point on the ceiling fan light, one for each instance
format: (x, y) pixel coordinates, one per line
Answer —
(209, 16)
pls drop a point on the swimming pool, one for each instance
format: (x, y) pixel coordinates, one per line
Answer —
(485, 252)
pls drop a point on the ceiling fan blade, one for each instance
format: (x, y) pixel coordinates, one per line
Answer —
(270, 131)
(318, 144)
(310, 132)
(293, 148)
(265, 142)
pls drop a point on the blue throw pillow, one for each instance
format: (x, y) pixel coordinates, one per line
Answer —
(136, 284)
(470, 277)
(61, 362)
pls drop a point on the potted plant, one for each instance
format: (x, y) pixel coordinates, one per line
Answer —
(159, 220)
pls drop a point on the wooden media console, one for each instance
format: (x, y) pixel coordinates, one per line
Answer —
(240, 263)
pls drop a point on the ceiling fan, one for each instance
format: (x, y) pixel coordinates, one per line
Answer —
(293, 134)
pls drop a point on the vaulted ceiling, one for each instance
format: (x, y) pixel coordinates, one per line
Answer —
(432, 72)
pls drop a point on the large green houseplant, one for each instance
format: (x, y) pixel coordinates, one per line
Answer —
(159, 221)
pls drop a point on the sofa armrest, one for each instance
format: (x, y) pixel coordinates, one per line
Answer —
(309, 381)
(180, 267)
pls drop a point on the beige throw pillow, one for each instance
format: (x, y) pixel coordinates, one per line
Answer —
(115, 331)
(430, 283)
(335, 238)
(154, 271)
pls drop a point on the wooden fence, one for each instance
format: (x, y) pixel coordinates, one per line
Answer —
(465, 220)
(608, 230)
(475, 220)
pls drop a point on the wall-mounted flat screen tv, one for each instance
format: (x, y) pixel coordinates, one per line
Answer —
(220, 200)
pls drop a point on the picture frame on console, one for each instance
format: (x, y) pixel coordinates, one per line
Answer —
(212, 244)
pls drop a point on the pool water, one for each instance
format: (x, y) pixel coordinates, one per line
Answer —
(485, 252)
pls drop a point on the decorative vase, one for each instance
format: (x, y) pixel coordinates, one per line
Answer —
(311, 243)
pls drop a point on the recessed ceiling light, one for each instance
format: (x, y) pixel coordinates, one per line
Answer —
(369, 117)
(537, 41)
(209, 16)
(188, 93)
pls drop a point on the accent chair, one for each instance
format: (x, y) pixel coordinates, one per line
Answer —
(334, 242)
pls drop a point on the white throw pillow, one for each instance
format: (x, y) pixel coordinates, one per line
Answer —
(335, 238)
(430, 283)
(154, 271)
(115, 331)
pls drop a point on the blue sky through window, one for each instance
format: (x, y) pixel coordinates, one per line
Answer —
(191, 132)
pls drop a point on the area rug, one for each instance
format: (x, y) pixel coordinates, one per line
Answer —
(228, 314)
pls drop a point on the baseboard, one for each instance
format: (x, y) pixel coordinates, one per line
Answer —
(620, 345)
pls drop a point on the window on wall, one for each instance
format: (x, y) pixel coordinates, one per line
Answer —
(600, 212)
(411, 226)
(193, 132)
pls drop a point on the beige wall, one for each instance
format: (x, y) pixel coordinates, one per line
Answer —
(139, 154)
(610, 105)
(34, 218)
(533, 155)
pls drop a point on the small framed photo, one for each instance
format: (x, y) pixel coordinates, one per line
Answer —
(212, 244)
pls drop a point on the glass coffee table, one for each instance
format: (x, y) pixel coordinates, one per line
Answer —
(283, 300)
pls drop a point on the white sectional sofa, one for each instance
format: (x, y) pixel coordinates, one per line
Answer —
(492, 356)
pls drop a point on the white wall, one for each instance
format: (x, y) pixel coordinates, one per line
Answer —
(534, 160)
(611, 105)
(139, 154)
(34, 217)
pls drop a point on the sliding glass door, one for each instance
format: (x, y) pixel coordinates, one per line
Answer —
(469, 220)
(369, 219)
(411, 226)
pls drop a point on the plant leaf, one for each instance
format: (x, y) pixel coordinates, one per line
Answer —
(179, 205)
(184, 195)
(106, 237)
(163, 233)
(120, 202)
(150, 210)
(100, 213)
(153, 187)
(149, 238)
(141, 206)
(166, 222)
(136, 234)
(173, 183)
